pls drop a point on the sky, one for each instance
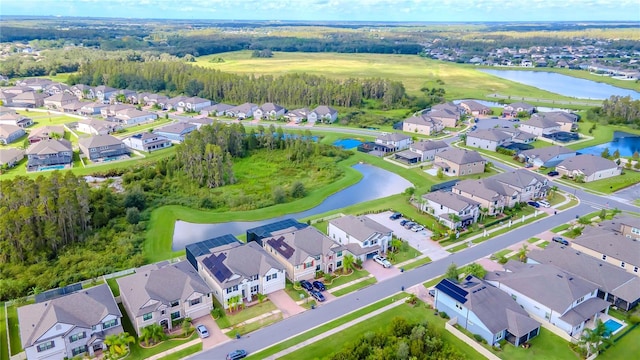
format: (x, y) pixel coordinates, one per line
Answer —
(336, 10)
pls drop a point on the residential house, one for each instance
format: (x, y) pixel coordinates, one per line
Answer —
(450, 209)
(362, 236)
(588, 167)
(547, 156)
(422, 151)
(10, 157)
(615, 285)
(484, 310)
(73, 107)
(153, 100)
(6, 98)
(128, 117)
(301, 115)
(198, 122)
(219, 109)
(459, 162)
(493, 202)
(29, 99)
(489, 139)
(611, 247)
(123, 96)
(35, 84)
(269, 111)
(92, 109)
(239, 272)
(242, 111)
(57, 88)
(474, 108)
(97, 127)
(549, 294)
(59, 100)
(326, 114)
(163, 294)
(566, 120)
(304, 252)
(518, 107)
(102, 148)
(114, 109)
(449, 114)
(518, 136)
(49, 155)
(628, 226)
(193, 104)
(176, 132)
(422, 124)
(15, 119)
(103, 93)
(6, 110)
(70, 326)
(10, 133)
(147, 142)
(82, 91)
(45, 133)
(539, 126)
(391, 142)
(15, 90)
(259, 233)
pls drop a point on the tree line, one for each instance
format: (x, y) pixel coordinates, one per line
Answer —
(619, 110)
(290, 90)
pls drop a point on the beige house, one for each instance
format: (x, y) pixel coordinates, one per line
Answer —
(459, 162)
(422, 124)
(611, 247)
(59, 100)
(588, 167)
(566, 120)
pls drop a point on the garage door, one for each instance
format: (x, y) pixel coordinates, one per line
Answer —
(371, 255)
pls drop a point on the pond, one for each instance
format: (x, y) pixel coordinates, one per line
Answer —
(497, 104)
(625, 143)
(563, 84)
(376, 183)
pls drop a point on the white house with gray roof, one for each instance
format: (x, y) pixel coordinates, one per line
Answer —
(566, 120)
(394, 141)
(10, 156)
(588, 167)
(422, 124)
(428, 149)
(164, 293)
(303, 252)
(484, 310)
(269, 111)
(361, 235)
(550, 294)
(97, 127)
(518, 107)
(611, 247)
(238, 272)
(69, 326)
(242, 111)
(547, 156)
(539, 126)
(326, 114)
(450, 209)
(488, 139)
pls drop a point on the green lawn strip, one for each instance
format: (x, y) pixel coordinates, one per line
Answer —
(343, 279)
(433, 282)
(507, 229)
(417, 263)
(94, 282)
(532, 240)
(615, 183)
(14, 329)
(114, 286)
(4, 342)
(330, 345)
(181, 354)
(624, 348)
(142, 128)
(294, 292)
(245, 314)
(559, 228)
(503, 157)
(502, 253)
(320, 329)
(572, 202)
(617, 314)
(253, 326)
(356, 286)
(556, 199)
(406, 252)
(543, 244)
(459, 247)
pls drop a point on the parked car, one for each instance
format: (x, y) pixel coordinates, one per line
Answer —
(319, 285)
(317, 295)
(403, 221)
(544, 203)
(306, 285)
(409, 224)
(382, 261)
(534, 204)
(473, 128)
(560, 240)
(432, 292)
(528, 165)
(553, 173)
(417, 228)
(395, 216)
(202, 331)
(237, 354)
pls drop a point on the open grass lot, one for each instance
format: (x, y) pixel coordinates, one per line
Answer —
(14, 329)
(415, 72)
(181, 354)
(245, 314)
(356, 286)
(4, 347)
(615, 183)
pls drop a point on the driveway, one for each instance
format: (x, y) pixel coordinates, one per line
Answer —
(285, 304)
(216, 336)
(379, 272)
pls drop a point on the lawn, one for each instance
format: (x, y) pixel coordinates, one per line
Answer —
(532, 240)
(245, 314)
(4, 344)
(559, 228)
(14, 329)
(543, 244)
(295, 294)
(572, 202)
(547, 345)
(459, 247)
(406, 252)
(247, 328)
(624, 348)
(341, 280)
(356, 286)
(502, 253)
(414, 264)
(181, 354)
(602, 133)
(615, 183)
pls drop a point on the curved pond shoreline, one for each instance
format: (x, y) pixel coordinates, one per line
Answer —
(376, 183)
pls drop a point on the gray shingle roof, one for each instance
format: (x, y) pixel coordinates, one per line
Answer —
(84, 308)
(450, 200)
(474, 105)
(271, 107)
(177, 128)
(50, 146)
(460, 156)
(520, 178)
(360, 227)
(422, 119)
(611, 244)
(9, 154)
(98, 141)
(588, 164)
(7, 130)
(557, 116)
(323, 110)
(393, 137)
(547, 153)
(429, 145)
(541, 122)
(477, 188)
(489, 134)
(305, 242)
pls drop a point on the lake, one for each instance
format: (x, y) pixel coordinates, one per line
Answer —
(497, 104)
(625, 143)
(563, 84)
(376, 183)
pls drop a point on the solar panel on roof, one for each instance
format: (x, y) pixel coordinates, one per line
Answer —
(215, 265)
(203, 247)
(452, 290)
(282, 247)
(260, 232)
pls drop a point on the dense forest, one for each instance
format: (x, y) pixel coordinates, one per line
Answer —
(290, 90)
(401, 340)
(618, 110)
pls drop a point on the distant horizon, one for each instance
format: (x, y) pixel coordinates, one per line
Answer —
(391, 11)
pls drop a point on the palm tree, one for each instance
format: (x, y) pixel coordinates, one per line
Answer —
(522, 253)
(552, 193)
(596, 339)
(186, 326)
(153, 332)
(118, 344)
(483, 213)
(395, 244)
(347, 262)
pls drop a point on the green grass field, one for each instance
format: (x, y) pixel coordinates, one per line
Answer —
(624, 348)
(181, 354)
(4, 347)
(14, 329)
(245, 314)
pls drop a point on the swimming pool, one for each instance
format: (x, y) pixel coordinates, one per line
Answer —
(347, 143)
(52, 167)
(612, 326)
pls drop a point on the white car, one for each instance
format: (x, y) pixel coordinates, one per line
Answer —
(202, 331)
(382, 261)
(417, 228)
(544, 203)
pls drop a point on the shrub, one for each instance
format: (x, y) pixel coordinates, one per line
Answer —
(479, 338)
(634, 319)
(443, 315)
(502, 260)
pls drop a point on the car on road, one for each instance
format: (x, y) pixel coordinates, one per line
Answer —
(473, 128)
(306, 285)
(534, 204)
(416, 228)
(319, 285)
(553, 173)
(395, 216)
(560, 240)
(202, 331)
(544, 203)
(237, 354)
(318, 295)
(382, 261)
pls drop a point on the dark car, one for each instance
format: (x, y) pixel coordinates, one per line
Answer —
(395, 216)
(237, 354)
(409, 224)
(402, 222)
(553, 173)
(560, 240)
(319, 285)
(306, 285)
(534, 204)
(432, 292)
(473, 128)
(317, 295)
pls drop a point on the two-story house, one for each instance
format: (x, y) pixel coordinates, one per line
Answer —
(539, 125)
(29, 99)
(611, 247)
(492, 202)
(304, 252)
(219, 109)
(326, 114)
(59, 100)
(10, 133)
(97, 127)
(69, 326)
(474, 108)
(176, 132)
(450, 209)
(362, 236)
(100, 148)
(45, 133)
(82, 91)
(428, 149)
(237, 272)
(128, 117)
(300, 115)
(448, 113)
(103, 93)
(488, 139)
(193, 104)
(565, 120)
(549, 294)
(422, 124)
(518, 107)
(628, 226)
(163, 294)
(49, 155)
(482, 309)
(147, 142)
(459, 162)
(269, 111)
(391, 142)
(92, 108)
